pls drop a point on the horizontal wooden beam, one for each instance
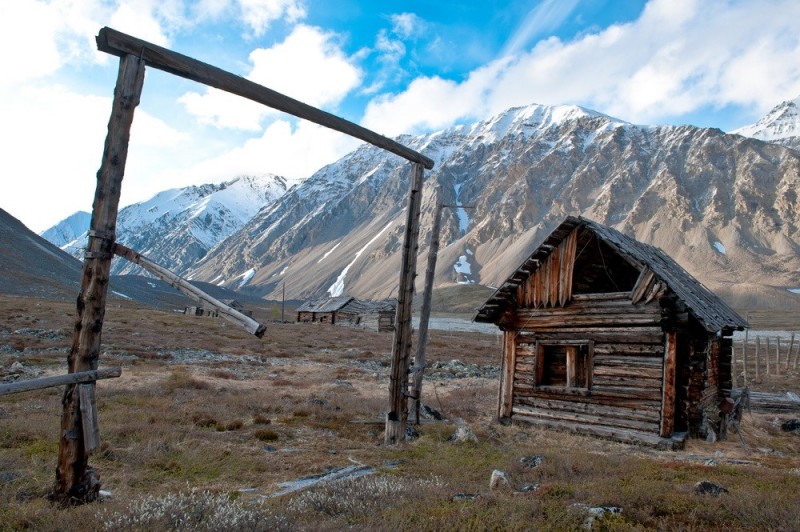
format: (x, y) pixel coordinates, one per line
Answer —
(58, 380)
(185, 287)
(120, 44)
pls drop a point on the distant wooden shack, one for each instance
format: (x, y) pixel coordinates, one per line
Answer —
(372, 315)
(608, 336)
(347, 311)
(321, 310)
(212, 312)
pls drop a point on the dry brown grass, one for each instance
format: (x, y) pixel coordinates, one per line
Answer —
(309, 398)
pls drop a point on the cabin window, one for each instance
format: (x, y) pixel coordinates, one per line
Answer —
(564, 365)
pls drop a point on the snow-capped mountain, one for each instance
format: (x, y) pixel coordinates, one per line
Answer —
(724, 206)
(780, 126)
(67, 231)
(177, 227)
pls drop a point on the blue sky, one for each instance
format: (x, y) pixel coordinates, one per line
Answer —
(395, 67)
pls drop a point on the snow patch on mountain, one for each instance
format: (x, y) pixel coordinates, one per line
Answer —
(246, 276)
(461, 213)
(719, 247)
(337, 288)
(70, 232)
(325, 256)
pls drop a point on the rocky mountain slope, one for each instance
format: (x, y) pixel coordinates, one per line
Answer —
(30, 266)
(780, 126)
(724, 206)
(70, 233)
(177, 227)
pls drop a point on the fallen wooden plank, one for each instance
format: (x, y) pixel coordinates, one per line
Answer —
(185, 287)
(58, 380)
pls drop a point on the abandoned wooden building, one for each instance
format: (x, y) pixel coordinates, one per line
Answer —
(608, 336)
(347, 311)
(213, 312)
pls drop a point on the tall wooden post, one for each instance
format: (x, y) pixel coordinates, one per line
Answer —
(75, 481)
(401, 348)
(422, 337)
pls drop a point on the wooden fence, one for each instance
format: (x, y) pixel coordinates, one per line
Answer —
(759, 356)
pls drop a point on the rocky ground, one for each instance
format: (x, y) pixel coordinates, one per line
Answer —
(207, 422)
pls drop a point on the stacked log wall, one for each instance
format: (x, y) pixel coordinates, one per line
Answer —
(627, 363)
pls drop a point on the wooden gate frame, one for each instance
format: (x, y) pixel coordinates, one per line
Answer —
(75, 481)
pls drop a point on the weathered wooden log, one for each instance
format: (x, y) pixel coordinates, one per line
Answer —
(397, 415)
(418, 369)
(616, 400)
(117, 43)
(668, 394)
(91, 429)
(631, 350)
(599, 336)
(583, 320)
(59, 380)
(646, 372)
(185, 287)
(72, 481)
(614, 360)
(644, 415)
(588, 419)
(612, 433)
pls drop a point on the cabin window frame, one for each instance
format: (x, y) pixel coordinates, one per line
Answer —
(575, 349)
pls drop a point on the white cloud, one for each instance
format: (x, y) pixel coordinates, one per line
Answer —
(407, 25)
(308, 66)
(545, 17)
(139, 18)
(678, 57)
(52, 142)
(259, 14)
(293, 151)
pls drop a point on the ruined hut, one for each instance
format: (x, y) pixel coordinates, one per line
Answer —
(347, 311)
(322, 310)
(608, 336)
(371, 315)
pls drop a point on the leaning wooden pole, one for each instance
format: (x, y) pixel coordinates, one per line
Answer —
(75, 481)
(418, 369)
(401, 348)
(187, 288)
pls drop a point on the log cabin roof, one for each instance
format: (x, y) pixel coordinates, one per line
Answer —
(713, 313)
(366, 307)
(329, 304)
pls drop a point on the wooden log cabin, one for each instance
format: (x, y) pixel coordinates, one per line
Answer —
(323, 310)
(346, 311)
(608, 336)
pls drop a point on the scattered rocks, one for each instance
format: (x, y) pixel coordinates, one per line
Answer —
(532, 461)
(456, 369)
(463, 434)
(706, 487)
(464, 497)
(429, 413)
(710, 462)
(527, 488)
(411, 433)
(391, 464)
(499, 479)
(793, 425)
(7, 477)
(598, 513)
